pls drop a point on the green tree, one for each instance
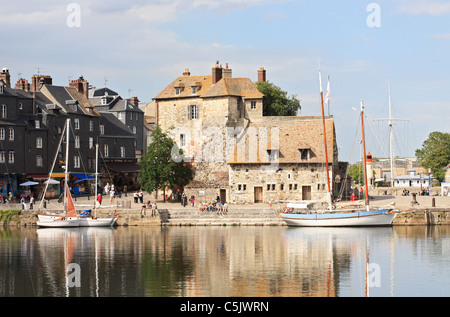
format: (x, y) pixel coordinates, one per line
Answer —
(356, 172)
(435, 153)
(163, 165)
(276, 101)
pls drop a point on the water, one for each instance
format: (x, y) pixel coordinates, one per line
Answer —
(225, 262)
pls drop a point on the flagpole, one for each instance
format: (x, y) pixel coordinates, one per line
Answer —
(328, 94)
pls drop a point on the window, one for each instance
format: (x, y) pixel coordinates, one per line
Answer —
(193, 112)
(2, 157)
(131, 116)
(39, 142)
(134, 129)
(11, 134)
(304, 154)
(119, 115)
(177, 91)
(77, 124)
(182, 140)
(239, 187)
(4, 111)
(104, 101)
(106, 150)
(11, 156)
(76, 161)
(39, 160)
(272, 155)
(102, 129)
(77, 141)
(37, 124)
(253, 105)
(2, 133)
(270, 186)
(281, 186)
(91, 125)
(122, 151)
(75, 108)
(194, 90)
(20, 106)
(91, 142)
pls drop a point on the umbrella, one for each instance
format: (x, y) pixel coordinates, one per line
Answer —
(51, 181)
(29, 183)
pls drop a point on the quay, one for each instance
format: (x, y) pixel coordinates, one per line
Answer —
(238, 215)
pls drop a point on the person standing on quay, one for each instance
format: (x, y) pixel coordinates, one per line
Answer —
(135, 196)
(31, 201)
(141, 197)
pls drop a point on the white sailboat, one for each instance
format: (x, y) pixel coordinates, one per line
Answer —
(70, 218)
(299, 215)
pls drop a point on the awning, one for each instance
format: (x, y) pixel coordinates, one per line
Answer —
(29, 183)
(82, 176)
(44, 176)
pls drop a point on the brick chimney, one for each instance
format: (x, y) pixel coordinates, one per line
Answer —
(37, 81)
(186, 72)
(6, 77)
(226, 72)
(134, 101)
(216, 73)
(262, 74)
(23, 84)
(81, 85)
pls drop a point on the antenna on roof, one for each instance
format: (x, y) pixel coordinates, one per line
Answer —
(106, 81)
(129, 92)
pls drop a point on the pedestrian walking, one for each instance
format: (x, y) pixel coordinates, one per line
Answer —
(99, 199)
(141, 197)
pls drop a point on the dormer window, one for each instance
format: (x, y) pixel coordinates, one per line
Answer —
(2, 87)
(177, 91)
(104, 101)
(272, 155)
(194, 90)
(304, 154)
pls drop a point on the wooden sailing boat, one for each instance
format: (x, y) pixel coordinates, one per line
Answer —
(70, 218)
(298, 215)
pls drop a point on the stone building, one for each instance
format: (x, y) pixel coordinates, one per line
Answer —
(239, 154)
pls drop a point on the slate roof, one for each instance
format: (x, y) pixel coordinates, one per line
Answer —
(114, 127)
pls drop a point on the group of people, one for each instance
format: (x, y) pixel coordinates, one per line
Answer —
(152, 206)
(217, 206)
(138, 197)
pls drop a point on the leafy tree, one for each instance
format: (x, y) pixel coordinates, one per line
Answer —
(435, 153)
(163, 166)
(356, 172)
(276, 102)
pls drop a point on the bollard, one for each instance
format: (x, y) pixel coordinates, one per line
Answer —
(433, 202)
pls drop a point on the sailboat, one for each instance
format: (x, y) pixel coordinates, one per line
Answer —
(70, 218)
(299, 215)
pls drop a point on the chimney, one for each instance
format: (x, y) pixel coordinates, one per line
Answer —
(261, 74)
(186, 72)
(23, 84)
(134, 101)
(37, 81)
(81, 85)
(6, 77)
(226, 72)
(216, 73)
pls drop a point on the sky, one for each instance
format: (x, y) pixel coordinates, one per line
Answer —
(138, 47)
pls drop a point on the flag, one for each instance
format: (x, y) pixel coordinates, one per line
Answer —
(320, 82)
(327, 95)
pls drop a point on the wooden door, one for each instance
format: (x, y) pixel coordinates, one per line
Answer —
(223, 195)
(258, 194)
(306, 192)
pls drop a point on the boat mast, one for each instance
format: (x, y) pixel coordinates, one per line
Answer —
(67, 165)
(96, 175)
(364, 154)
(391, 150)
(324, 136)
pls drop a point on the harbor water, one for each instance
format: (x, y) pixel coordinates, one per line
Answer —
(225, 261)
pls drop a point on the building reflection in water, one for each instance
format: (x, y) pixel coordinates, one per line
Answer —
(194, 261)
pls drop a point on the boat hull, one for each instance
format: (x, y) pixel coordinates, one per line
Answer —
(66, 223)
(353, 219)
(82, 221)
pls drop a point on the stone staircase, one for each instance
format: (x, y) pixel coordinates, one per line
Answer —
(234, 216)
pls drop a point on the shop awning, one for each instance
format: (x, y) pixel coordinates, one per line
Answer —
(82, 176)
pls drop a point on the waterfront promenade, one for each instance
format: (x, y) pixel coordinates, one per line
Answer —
(130, 213)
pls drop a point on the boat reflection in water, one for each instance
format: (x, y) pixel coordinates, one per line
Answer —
(225, 262)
